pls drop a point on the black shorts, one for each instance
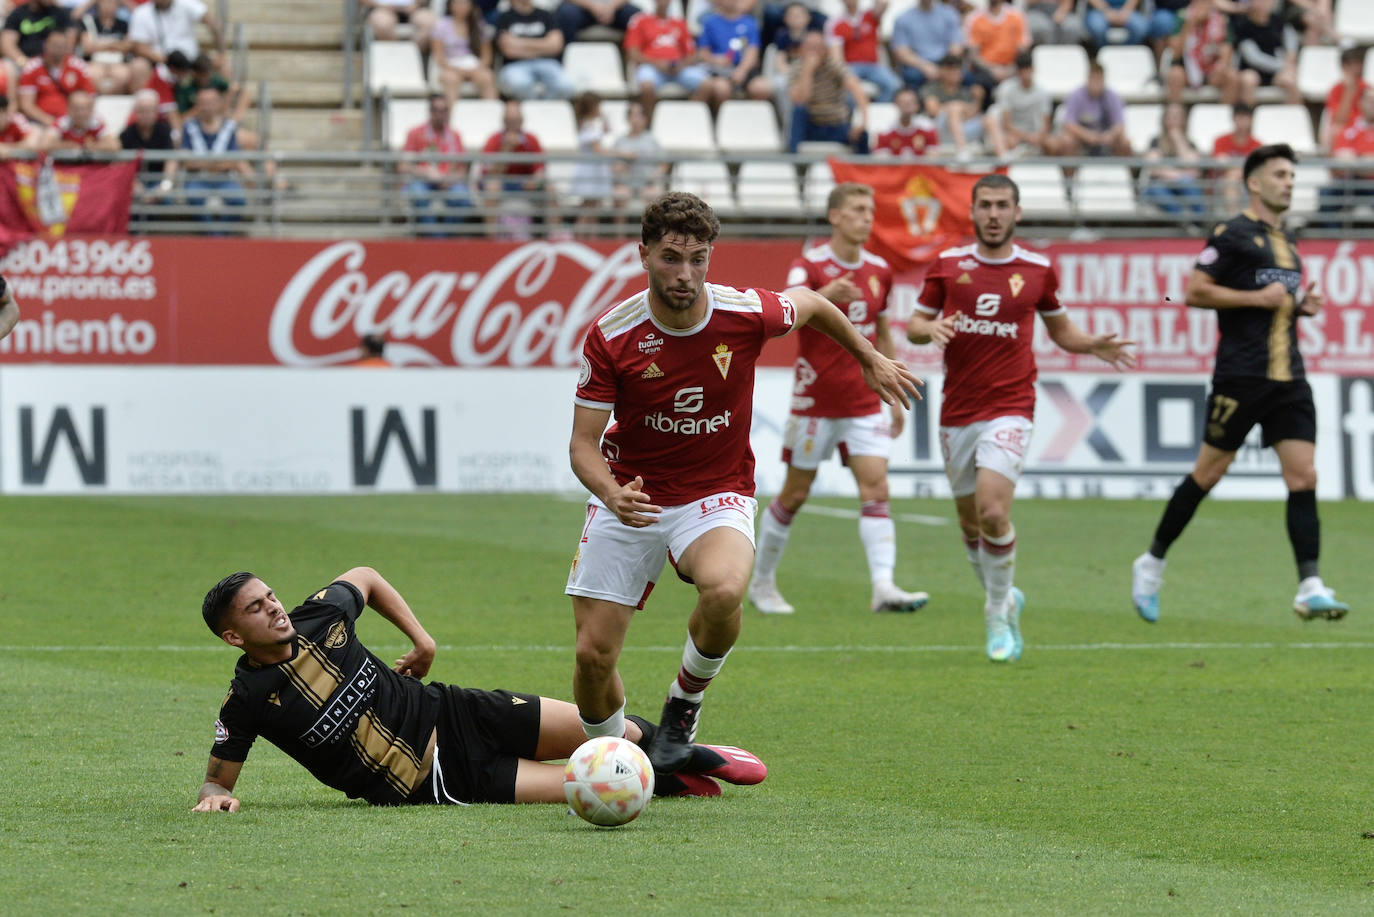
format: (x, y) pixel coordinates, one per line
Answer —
(1284, 410)
(482, 736)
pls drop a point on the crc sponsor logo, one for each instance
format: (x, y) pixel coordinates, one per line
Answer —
(789, 311)
(726, 502)
(688, 400)
(965, 324)
(532, 307)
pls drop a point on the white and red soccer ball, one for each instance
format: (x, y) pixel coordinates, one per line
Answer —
(608, 781)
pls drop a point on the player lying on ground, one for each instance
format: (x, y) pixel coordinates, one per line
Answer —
(307, 685)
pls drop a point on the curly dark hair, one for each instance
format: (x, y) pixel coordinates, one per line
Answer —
(679, 213)
(220, 597)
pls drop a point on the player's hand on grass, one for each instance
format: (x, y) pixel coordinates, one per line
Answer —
(218, 803)
(1312, 300)
(1108, 349)
(632, 506)
(842, 289)
(416, 663)
(893, 382)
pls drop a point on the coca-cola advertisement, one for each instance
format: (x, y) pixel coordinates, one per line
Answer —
(495, 304)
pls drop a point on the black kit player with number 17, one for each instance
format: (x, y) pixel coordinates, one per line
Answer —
(1251, 274)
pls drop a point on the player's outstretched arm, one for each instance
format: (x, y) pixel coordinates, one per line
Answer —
(9, 309)
(893, 382)
(217, 792)
(631, 505)
(1203, 292)
(1106, 347)
(380, 595)
(922, 328)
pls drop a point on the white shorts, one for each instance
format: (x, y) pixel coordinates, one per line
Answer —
(621, 564)
(808, 441)
(998, 445)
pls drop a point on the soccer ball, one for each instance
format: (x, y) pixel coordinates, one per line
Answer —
(608, 781)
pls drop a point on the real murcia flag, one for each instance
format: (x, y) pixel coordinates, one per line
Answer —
(51, 200)
(722, 356)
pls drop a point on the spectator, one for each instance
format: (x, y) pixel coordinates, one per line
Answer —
(639, 169)
(955, 108)
(854, 36)
(1266, 50)
(159, 27)
(461, 45)
(729, 48)
(576, 15)
(148, 130)
(1023, 112)
(1231, 150)
(385, 15)
(1174, 188)
(49, 80)
(105, 46)
(437, 188)
(524, 178)
(591, 177)
(1116, 22)
(79, 128)
(531, 47)
(1342, 102)
(1054, 22)
(914, 134)
(1204, 56)
(922, 37)
(1166, 24)
(200, 74)
(27, 28)
(1094, 120)
(797, 20)
(774, 12)
(1314, 19)
(214, 187)
(1351, 186)
(995, 36)
(820, 111)
(16, 132)
(371, 353)
(660, 50)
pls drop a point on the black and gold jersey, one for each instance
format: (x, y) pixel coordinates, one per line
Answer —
(1245, 253)
(351, 721)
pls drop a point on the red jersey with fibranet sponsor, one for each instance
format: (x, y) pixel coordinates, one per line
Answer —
(989, 365)
(828, 382)
(659, 39)
(683, 400)
(51, 89)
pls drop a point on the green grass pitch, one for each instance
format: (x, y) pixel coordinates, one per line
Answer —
(1219, 761)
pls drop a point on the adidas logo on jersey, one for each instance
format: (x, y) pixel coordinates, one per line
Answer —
(653, 372)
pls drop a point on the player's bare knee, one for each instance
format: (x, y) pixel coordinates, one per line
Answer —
(723, 593)
(596, 659)
(1300, 479)
(994, 520)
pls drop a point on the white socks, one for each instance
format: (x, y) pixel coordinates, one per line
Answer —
(696, 673)
(879, 537)
(997, 557)
(613, 725)
(774, 526)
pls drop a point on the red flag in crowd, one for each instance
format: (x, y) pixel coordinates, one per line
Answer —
(921, 210)
(50, 199)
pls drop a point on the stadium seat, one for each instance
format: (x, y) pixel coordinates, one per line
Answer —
(1103, 190)
(1369, 66)
(1308, 181)
(395, 66)
(1059, 69)
(1289, 124)
(1354, 20)
(114, 111)
(403, 114)
(1142, 125)
(614, 111)
(1042, 189)
(551, 120)
(1319, 68)
(476, 120)
(683, 126)
(1209, 120)
(769, 188)
(747, 126)
(882, 117)
(708, 180)
(595, 66)
(560, 174)
(819, 182)
(1129, 71)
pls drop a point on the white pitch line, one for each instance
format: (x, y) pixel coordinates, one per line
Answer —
(831, 648)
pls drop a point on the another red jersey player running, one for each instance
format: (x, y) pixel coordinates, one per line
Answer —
(832, 407)
(989, 293)
(674, 474)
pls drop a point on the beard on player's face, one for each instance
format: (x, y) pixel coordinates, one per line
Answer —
(994, 238)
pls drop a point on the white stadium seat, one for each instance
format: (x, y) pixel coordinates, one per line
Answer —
(708, 180)
(1059, 69)
(114, 111)
(1354, 20)
(551, 120)
(395, 66)
(820, 180)
(1319, 68)
(476, 120)
(747, 126)
(1307, 182)
(1142, 125)
(1290, 124)
(1129, 70)
(683, 126)
(882, 117)
(617, 121)
(1041, 187)
(403, 114)
(1369, 66)
(1103, 190)
(595, 66)
(769, 188)
(1209, 120)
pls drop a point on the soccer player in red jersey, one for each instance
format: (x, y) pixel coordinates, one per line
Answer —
(979, 304)
(832, 407)
(674, 475)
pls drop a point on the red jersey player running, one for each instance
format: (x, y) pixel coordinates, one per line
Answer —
(989, 293)
(674, 474)
(832, 407)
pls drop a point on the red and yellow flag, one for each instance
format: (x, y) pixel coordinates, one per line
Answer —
(89, 198)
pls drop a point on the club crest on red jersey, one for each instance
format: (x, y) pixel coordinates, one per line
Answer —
(722, 358)
(1017, 284)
